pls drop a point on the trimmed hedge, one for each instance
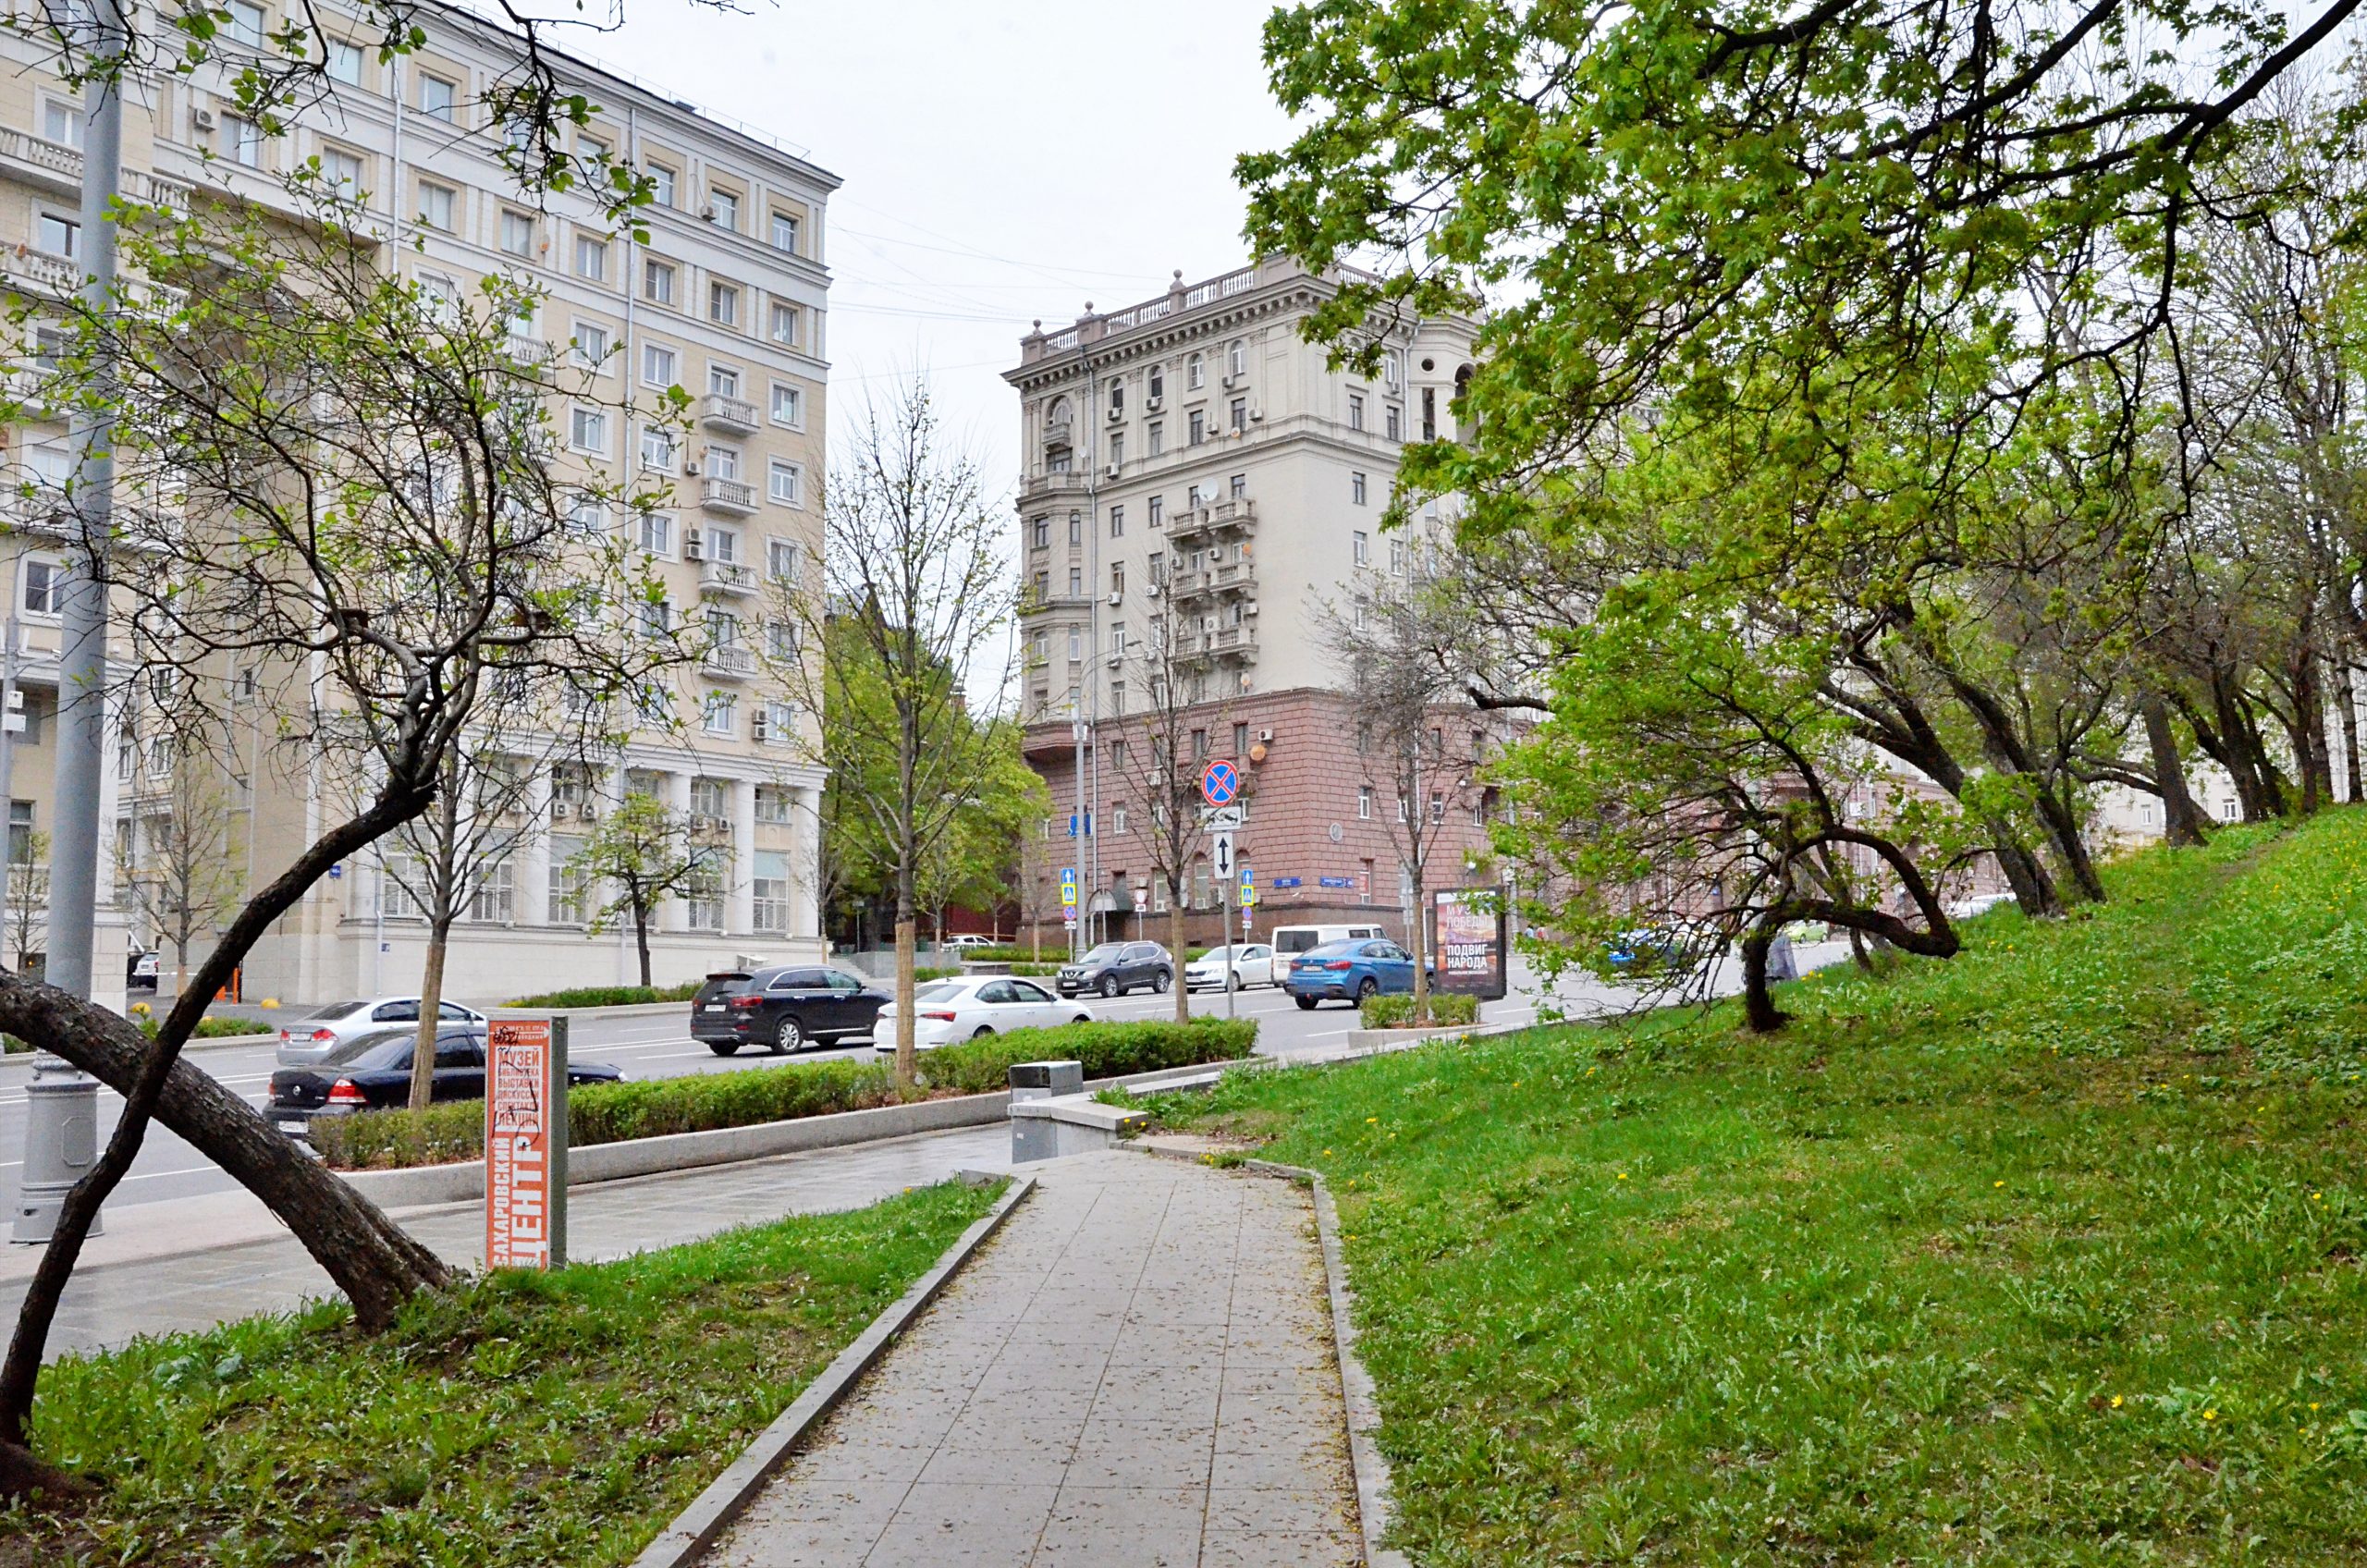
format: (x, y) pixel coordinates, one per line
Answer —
(1397, 1011)
(611, 995)
(609, 1113)
(211, 1028)
(1108, 1050)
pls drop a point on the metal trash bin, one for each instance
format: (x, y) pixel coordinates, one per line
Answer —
(1032, 1139)
(61, 1145)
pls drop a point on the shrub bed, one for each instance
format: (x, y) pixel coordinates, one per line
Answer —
(1447, 1007)
(609, 1113)
(610, 996)
(1108, 1050)
(207, 1028)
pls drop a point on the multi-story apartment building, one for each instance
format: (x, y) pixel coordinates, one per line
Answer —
(1199, 488)
(728, 300)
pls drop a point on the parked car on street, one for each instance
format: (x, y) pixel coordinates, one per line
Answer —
(1292, 940)
(945, 1011)
(311, 1036)
(1348, 971)
(1978, 904)
(784, 1009)
(371, 1071)
(1115, 967)
(1253, 965)
(971, 940)
(140, 971)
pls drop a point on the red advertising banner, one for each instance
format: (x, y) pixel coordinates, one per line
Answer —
(524, 1145)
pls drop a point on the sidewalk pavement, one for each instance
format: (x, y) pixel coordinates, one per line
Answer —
(132, 1283)
(1137, 1372)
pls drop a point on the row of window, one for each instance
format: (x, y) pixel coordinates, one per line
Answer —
(571, 893)
(438, 97)
(660, 452)
(593, 345)
(1039, 528)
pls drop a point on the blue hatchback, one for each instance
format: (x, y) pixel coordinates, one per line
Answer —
(1349, 972)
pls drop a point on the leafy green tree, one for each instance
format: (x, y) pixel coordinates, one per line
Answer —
(645, 853)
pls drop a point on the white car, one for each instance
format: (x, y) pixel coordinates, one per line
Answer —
(1977, 905)
(1253, 965)
(971, 940)
(305, 1039)
(951, 1011)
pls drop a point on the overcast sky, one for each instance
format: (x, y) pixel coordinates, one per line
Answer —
(1003, 162)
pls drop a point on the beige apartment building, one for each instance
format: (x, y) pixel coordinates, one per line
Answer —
(1196, 476)
(728, 301)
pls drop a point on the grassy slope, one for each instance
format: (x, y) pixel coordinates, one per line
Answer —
(2047, 1255)
(534, 1420)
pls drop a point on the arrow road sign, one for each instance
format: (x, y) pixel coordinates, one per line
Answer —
(1223, 855)
(1219, 781)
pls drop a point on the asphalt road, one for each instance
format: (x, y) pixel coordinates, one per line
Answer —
(660, 1047)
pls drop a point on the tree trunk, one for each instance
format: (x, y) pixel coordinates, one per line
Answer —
(2062, 825)
(1175, 941)
(2024, 874)
(1419, 944)
(641, 936)
(2181, 818)
(1759, 1011)
(907, 1059)
(431, 1007)
(2345, 695)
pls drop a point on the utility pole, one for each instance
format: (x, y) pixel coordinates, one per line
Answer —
(61, 1113)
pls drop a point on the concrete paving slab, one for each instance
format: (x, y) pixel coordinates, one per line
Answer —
(1160, 1390)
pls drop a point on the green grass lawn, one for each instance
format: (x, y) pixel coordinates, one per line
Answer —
(539, 1420)
(2051, 1253)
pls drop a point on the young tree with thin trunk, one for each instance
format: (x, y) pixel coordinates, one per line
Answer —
(181, 872)
(912, 617)
(28, 903)
(1151, 764)
(1401, 651)
(646, 853)
(319, 469)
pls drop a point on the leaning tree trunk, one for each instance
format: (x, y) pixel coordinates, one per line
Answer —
(2181, 816)
(431, 1007)
(2025, 873)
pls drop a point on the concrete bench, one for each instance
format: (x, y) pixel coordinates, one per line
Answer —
(1051, 1115)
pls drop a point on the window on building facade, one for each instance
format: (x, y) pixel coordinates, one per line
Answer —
(1239, 415)
(55, 236)
(1198, 431)
(1117, 522)
(775, 723)
(722, 462)
(781, 560)
(242, 141)
(661, 183)
(723, 208)
(658, 364)
(1397, 556)
(784, 324)
(591, 257)
(1238, 486)
(439, 99)
(1117, 397)
(1155, 383)
(658, 450)
(722, 379)
(1039, 533)
(785, 482)
(61, 122)
(1154, 438)
(1196, 374)
(654, 532)
(1236, 358)
(493, 900)
(569, 903)
(784, 232)
(44, 588)
(769, 885)
(341, 172)
(1117, 576)
(438, 205)
(788, 406)
(658, 280)
(587, 431)
(344, 62)
(1157, 510)
(1394, 418)
(720, 715)
(591, 344)
(1355, 411)
(1076, 529)
(723, 304)
(1357, 488)
(247, 23)
(703, 897)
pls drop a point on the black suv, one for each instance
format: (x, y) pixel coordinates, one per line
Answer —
(782, 1008)
(1114, 968)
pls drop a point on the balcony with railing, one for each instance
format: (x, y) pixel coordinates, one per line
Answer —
(719, 410)
(730, 661)
(1225, 642)
(1211, 519)
(726, 577)
(732, 496)
(1221, 577)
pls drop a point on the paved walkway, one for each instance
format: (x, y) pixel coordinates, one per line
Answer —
(1137, 1372)
(112, 1303)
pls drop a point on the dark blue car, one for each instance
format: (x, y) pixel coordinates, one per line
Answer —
(1349, 972)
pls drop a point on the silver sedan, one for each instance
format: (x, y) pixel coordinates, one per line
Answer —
(305, 1039)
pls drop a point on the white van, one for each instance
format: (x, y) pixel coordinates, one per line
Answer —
(1292, 940)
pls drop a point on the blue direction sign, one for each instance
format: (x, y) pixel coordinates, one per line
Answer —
(1219, 781)
(1285, 881)
(1336, 881)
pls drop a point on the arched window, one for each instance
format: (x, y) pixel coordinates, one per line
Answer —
(1196, 374)
(1236, 362)
(1057, 416)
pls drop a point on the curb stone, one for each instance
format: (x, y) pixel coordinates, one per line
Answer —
(697, 1527)
(1369, 1465)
